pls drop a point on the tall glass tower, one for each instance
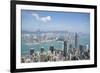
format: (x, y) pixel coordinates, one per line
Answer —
(76, 40)
(65, 48)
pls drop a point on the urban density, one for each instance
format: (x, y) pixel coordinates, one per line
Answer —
(52, 36)
(67, 47)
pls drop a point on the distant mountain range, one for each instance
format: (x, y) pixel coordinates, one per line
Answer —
(38, 31)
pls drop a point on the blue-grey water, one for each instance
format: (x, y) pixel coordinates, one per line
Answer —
(84, 39)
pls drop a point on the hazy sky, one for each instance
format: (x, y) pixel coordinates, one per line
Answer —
(51, 21)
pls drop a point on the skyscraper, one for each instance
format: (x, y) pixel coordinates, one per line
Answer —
(76, 40)
(65, 48)
(31, 51)
(52, 49)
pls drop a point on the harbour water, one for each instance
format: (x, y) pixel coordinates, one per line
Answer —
(84, 39)
(25, 47)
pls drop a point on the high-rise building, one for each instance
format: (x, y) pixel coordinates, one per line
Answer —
(87, 47)
(81, 48)
(76, 41)
(42, 55)
(52, 49)
(42, 50)
(31, 51)
(38, 35)
(65, 48)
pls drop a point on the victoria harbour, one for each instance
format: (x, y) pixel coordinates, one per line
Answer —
(51, 36)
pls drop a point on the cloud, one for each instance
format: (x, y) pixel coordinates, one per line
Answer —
(43, 18)
(35, 15)
(46, 18)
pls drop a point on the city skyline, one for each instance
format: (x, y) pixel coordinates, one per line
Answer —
(54, 21)
(55, 36)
